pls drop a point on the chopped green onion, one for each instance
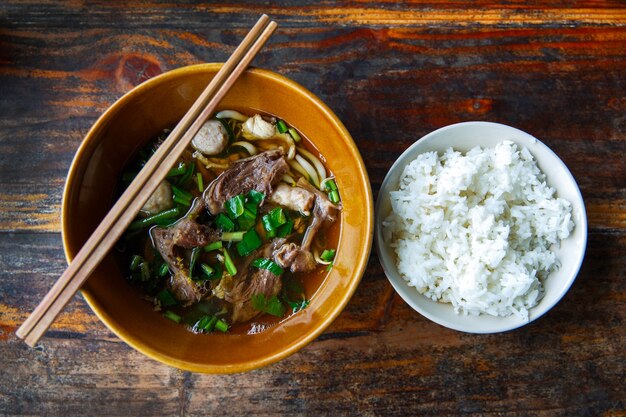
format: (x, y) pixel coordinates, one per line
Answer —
(163, 269)
(207, 270)
(333, 196)
(145, 271)
(221, 326)
(255, 196)
(179, 170)
(213, 246)
(187, 175)
(331, 184)
(200, 181)
(330, 266)
(228, 263)
(294, 134)
(247, 220)
(182, 193)
(172, 316)
(205, 324)
(232, 236)
(235, 206)
(182, 201)
(272, 306)
(250, 210)
(286, 229)
(250, 242)
(195, 252)
(224, 223)
(282, 126)
(149, 221)
(328, 255)
(166, 298)
(268, 264)
(135, 262)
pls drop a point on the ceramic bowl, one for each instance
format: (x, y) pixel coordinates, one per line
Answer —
(142, 114)
(463, 137)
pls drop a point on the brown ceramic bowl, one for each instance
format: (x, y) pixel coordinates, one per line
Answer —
(142, 114)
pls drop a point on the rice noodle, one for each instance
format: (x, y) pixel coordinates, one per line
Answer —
(247, 145)
(231, 114)
(319, 167)
(289, 179)
(298, 168)
(309, 169)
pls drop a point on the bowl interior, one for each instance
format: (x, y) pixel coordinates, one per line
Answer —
(463, 137)
(144, 113)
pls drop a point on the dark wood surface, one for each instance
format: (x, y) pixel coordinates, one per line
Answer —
(392, 71)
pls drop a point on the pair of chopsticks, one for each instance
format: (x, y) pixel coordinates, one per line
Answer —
(126, 208)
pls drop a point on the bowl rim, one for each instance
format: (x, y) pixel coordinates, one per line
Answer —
(390, 268)
(357, 272)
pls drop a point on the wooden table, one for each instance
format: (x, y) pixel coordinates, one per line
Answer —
(392, 72)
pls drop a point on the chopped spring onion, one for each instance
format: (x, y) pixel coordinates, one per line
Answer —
(166, 298)
(207, 270)
(273, 220)
(180, 200)
(268, 264)
(333, 196)
(285, 230)
(213, 246)
(228, 263)
(235, 206)
(195, 252)
(135, 262)
(319, 167)
(172, 316)
(145, 271)
(205, 324)
(200, 181)
(176, 171)
(328, 255)
(255, 197)
(294, 134)
(149, 221)
(247, 220)
(247, 146)
(272, 306)
(184, 179)
(231, 114)
(163, 269)
(282, 126)
(224, 223)
(182, 193)
(330, 183)
(250, 242)
(232, 236)
(312, 174)
(221, 326)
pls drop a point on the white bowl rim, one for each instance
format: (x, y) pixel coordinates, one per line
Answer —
(498, 324)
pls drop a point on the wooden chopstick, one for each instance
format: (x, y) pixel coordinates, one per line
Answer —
(128, 205)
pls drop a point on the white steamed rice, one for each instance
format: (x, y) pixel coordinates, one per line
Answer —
(475, 230)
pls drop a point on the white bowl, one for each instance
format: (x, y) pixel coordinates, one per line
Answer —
(463, 137)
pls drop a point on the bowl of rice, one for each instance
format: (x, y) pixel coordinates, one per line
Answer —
(480, 227)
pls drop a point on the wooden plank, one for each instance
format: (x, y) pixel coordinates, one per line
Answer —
(569, 362)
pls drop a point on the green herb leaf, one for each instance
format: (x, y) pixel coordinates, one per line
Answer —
(272, 306)
(250, 242)
(235, 206)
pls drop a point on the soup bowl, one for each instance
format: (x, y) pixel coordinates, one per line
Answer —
(137, 118)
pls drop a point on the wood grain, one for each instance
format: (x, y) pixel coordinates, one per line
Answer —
(392, 71)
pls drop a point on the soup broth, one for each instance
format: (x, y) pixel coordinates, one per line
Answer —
(241, 233)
